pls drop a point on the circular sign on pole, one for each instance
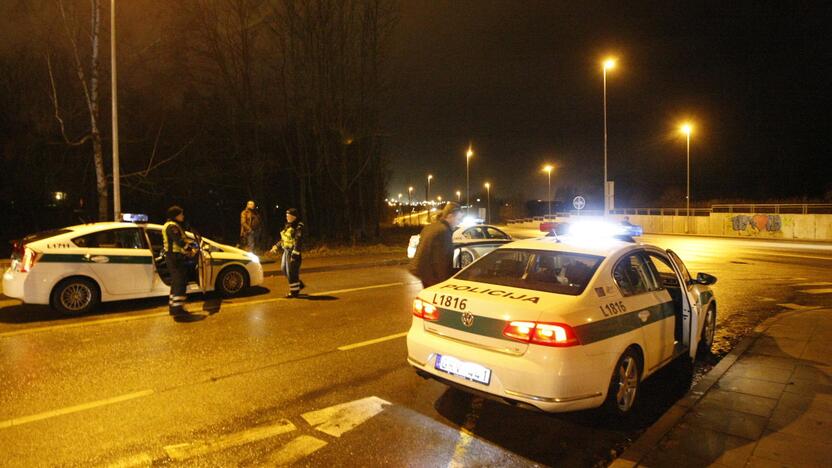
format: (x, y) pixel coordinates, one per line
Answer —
(578, 202)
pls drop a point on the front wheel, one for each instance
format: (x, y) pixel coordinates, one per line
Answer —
(706, 339)
(465, 259)
(624, 384)
(231, 281)
(75, 296)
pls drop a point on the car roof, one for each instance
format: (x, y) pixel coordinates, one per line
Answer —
(598, 247)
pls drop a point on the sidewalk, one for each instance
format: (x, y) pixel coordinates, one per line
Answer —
(766, 404)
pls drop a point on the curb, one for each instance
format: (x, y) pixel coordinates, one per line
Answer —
(346, 266)
(650, 439)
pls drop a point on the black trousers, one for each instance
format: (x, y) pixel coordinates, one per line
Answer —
(178, 268)
(291, 268)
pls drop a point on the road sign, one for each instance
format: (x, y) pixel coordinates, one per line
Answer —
(578, 202)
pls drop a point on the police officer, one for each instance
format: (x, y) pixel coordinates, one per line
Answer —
(291, 238)
(177, 251)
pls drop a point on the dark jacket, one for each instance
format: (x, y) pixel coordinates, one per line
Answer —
(434, 258)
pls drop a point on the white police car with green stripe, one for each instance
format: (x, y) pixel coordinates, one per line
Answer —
(563, 324)
(75, 268)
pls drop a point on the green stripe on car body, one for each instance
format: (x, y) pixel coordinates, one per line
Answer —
(84, 258)
(587, 333)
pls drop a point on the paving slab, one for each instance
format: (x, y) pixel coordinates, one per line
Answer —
(793, 450)
(741, 402)
(750, 386)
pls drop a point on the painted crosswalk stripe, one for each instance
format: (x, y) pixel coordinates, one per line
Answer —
(296, 450)
(73, 409)
(372, 342)
(185, 451)
(338, 419)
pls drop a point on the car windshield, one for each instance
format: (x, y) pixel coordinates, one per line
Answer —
(540, 270)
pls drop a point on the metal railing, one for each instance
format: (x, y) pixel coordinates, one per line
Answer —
(775, 208)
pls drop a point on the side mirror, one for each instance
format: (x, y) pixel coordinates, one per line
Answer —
(706, 279)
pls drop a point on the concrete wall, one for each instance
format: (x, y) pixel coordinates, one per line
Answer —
(815, 227)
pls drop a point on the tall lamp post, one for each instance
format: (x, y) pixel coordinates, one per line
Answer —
(410, 205)
(113, 90)
(427, 191)
(548, 169)
(687, 129)
(468, 155)
(488, 205)
(609, 64)
(458, 196)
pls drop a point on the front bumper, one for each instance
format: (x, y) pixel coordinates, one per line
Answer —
(543, 378)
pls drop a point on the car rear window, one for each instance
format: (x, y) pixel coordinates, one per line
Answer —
(44, 235)
(539, 270)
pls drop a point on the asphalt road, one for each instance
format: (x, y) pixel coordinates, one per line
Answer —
(322, 381)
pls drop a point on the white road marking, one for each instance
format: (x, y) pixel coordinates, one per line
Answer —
(466, 434)
(185, 451)
(792, 306)
(338, 419)
(73, 409)
(817, 291)
(163, 311)
(299, 448)
(372, 342)
(819, 283)
(142, 459)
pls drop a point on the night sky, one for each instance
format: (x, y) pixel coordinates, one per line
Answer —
(522, 81)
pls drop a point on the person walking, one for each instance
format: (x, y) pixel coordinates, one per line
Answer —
(291, 239)
(178, 250)
(249, 223)
(433, 262)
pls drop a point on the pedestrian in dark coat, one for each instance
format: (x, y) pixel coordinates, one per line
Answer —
(433, 262)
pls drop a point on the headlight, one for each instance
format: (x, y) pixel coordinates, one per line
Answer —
(252, 257)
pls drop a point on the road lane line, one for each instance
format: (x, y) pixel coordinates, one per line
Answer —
(372, 342)
(142, 459)
(296, 450)
(185, 451)
(816, 291)
(466, 435)
(73, 409)
(163, 310)
(819, 283)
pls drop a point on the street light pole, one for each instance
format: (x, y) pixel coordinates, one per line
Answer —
(488, 205)
(548, 168)
(687, 128)
(468, 156)
(113, 90)
(410, 205)
(609, 64)
(427, 192)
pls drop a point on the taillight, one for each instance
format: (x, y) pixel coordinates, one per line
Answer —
(546, 334)
(29, 259)
(424, 310)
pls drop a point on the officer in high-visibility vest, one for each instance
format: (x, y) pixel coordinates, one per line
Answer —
(291, 238)
(176, 249)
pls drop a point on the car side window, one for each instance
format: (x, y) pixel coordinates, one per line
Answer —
(473, 233)
(493, 233)
(682, 268)
(129, 238)
(663, 270)
(633, 276)
(156, 240)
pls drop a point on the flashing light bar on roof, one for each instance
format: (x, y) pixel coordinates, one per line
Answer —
(603, 230)
(134, 218)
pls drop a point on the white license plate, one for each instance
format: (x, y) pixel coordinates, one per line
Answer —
(466, 370)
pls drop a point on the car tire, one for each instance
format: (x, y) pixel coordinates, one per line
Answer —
(622, 394)
(75, 296)
(231, 281)
(706, 338)
(465, 259)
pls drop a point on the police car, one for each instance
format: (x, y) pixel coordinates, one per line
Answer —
(471, 241)
(75, 268)
(563, 323)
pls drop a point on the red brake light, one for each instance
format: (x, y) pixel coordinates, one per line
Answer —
(425, 311)
(546, 334)
(29, 259)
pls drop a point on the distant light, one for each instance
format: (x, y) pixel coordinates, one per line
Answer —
(430, 176)
(609, 63)
(59, 195)
(548, 168)
(469, 153)
(478, 199)
(686, 128)
(488, 185)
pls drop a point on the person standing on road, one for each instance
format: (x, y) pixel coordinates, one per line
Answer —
(177, 250)
(249, 222)
(291, 238)
(433, 262)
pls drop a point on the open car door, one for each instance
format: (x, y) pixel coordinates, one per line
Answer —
(204, 265)
(690, 312)
(154, 240)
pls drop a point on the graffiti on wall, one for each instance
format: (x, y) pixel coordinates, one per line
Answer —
(757, 225)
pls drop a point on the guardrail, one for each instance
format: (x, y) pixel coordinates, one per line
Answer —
(771, 208)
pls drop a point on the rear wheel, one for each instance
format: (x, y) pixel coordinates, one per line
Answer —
(231, 281)
(706, 339)
(624, 384)
(75, 296)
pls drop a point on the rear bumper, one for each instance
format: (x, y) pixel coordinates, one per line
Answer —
(543, 378)
(24, 286)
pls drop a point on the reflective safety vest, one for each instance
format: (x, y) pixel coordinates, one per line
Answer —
(287, 237)
(172, 245)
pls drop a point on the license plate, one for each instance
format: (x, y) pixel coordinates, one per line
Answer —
(466, 370)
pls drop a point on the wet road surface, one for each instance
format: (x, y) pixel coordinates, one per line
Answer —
(323, 381)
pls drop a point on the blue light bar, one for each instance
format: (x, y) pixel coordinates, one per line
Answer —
(134, 218)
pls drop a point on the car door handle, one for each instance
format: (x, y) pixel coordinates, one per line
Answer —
(100, 259)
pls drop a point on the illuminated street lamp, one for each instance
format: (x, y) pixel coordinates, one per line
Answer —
(458, 196)
(410, 205)
(687, 128)
(548, 170)
(488, 206)
(608, 64)
(468, 155)
(427, 191)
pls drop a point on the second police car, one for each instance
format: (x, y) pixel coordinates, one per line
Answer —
(563, 323)
(75, 268)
